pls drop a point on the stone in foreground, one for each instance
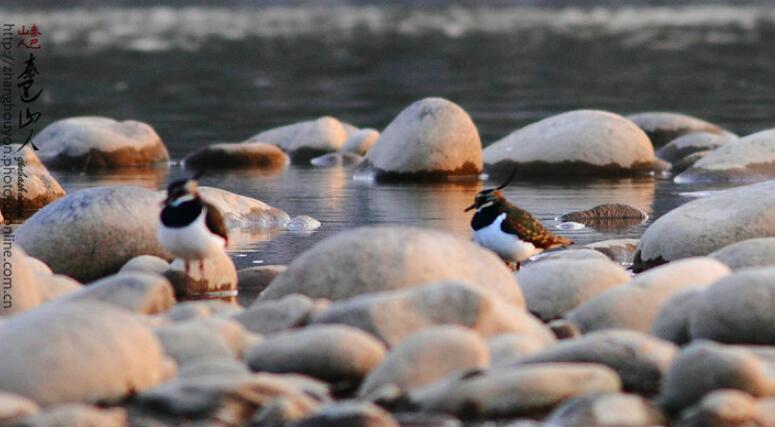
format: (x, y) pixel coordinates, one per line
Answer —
(383, 258)
(747, 253)
(44, 354)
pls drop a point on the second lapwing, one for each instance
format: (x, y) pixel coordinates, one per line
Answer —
(509, 231)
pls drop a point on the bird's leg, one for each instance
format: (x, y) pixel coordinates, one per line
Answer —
(519, 265)
(201, 271)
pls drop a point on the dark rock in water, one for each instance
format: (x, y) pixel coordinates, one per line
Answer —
(691, 143)
(744, 160)
(336, 159)
(304, 141)
(610, 217)
(663, 127)
(99, 142)
(256, 155)
(587, 143)
(253, 280)
(432, 139)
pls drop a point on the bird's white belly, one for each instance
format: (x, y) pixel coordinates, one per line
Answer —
(194, 241)
(507, 246)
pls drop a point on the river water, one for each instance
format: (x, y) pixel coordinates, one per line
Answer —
(201, 75)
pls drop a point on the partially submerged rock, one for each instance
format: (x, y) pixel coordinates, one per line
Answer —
(336, 159)
(609, 217)
(707, 224)
(241, 211)
(663, 127)
(99, 142)
(43, 354)
(691, 143)
(305, 140)
(582, 143)
(432, 139)
(745, 160)
(361, 141)
(621, 251)
(248, 155)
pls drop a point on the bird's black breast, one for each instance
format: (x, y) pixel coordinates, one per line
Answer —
(181, 215)
(484, 217)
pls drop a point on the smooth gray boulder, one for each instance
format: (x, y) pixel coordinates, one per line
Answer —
(663, 127)
(758, 252)
(430, 139)
(426, 357)
(640, 359)
(737, 309)
(745, 160)
(393, 316)
(582, 142)
(384, 258)
(528, 390)
(305, 140)
(704, 366)
(333, 353)
(138, 292)
(635, 305)
(672, 321)
(695, 142)
(267, 317)
(683, 232)
(99, 142)
(361, 141)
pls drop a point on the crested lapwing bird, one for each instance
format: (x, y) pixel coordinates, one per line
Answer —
(509, 231)
(189, 227)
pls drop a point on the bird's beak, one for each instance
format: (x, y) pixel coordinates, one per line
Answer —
(470, 207)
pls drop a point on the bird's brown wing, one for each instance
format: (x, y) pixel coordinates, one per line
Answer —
(215, 222)
(527, 228)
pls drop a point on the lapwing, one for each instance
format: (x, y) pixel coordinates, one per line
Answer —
(509, 231)
(189, 227)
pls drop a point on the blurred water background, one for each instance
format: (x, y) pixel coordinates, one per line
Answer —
(204, 72)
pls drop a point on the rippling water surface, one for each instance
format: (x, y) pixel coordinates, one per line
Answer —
(201, 75)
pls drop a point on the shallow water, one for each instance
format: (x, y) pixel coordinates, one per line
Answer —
(204, 75)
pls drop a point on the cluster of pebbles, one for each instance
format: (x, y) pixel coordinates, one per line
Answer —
(395, 325)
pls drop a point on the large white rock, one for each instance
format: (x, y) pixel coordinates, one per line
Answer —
(581, 142)
(747, 253)
(663, 127)
(707, 224)
(431, 139)
(306, 140)
(383, 258)
(99, 142)
(79, 352)
(747, 159)
(92, 233)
